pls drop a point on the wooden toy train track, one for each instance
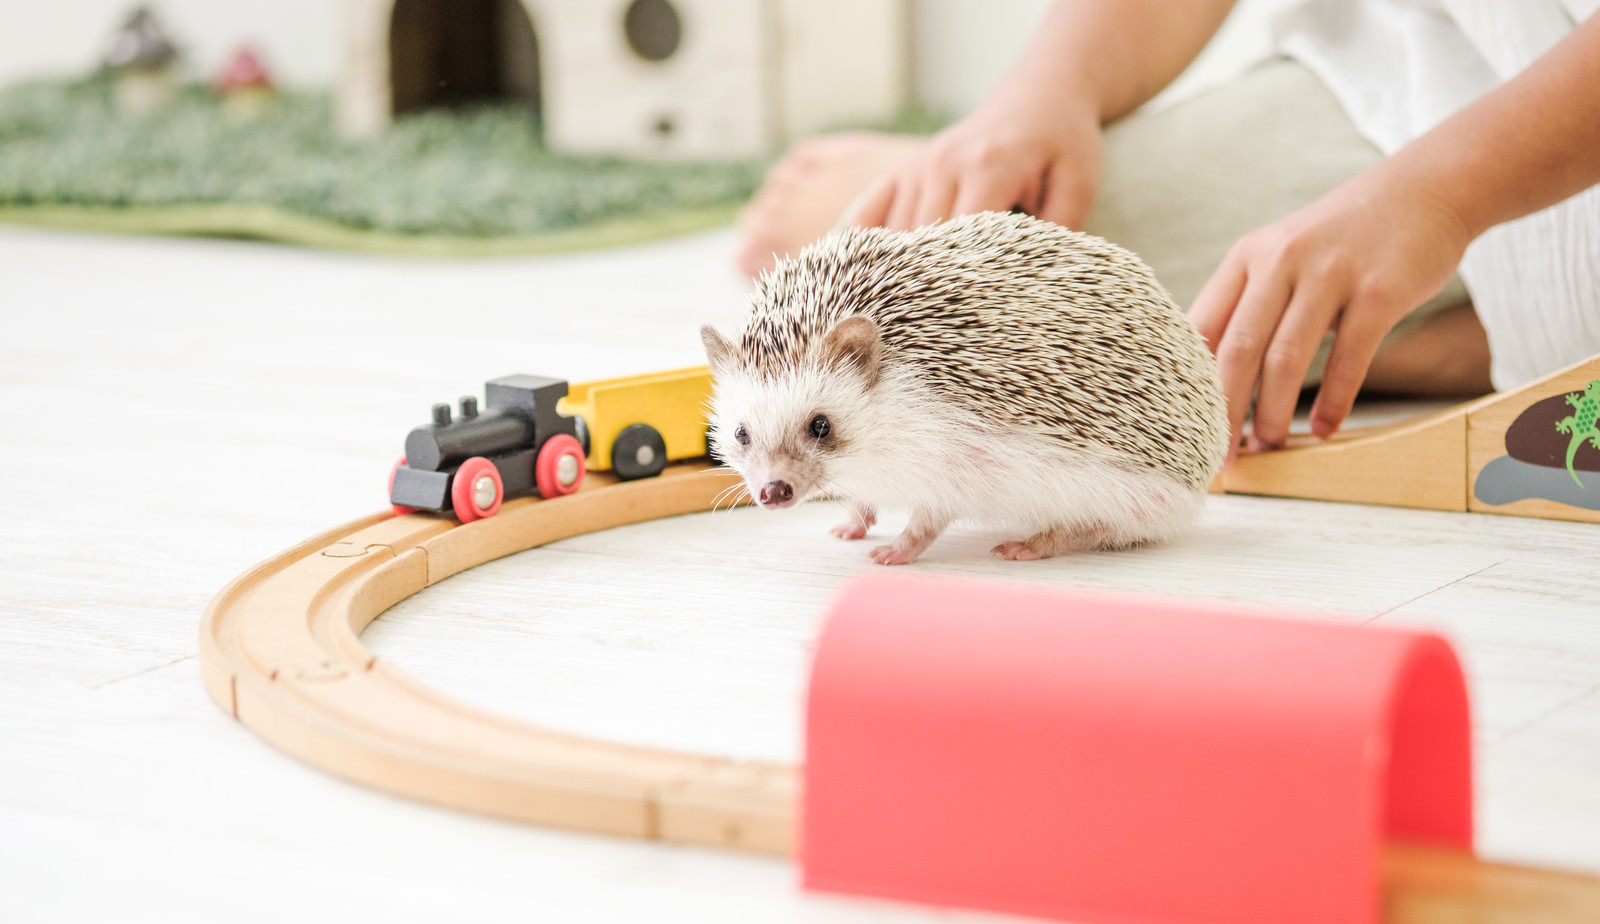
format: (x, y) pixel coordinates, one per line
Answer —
(281, 651)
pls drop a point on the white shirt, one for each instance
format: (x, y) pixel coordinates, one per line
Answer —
(1399, 67)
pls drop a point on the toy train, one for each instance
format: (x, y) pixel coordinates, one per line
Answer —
(641, 422)
(531, 435)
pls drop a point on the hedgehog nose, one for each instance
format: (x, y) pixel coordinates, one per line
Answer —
(776, 494)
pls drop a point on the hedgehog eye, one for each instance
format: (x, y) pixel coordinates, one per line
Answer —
(820, 427)
(741, 435)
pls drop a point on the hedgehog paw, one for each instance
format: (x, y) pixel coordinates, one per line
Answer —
(850, 530)
(1016, 551)
(893, 555)
(862, 519)
(1051, 542)
(924, 527)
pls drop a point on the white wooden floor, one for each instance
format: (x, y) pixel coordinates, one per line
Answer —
(175, 410)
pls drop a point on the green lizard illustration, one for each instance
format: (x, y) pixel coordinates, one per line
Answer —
(1581, 423)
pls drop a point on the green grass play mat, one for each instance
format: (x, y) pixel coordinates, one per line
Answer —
(446, 182)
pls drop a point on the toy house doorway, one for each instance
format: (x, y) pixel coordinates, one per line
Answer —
(462, 52)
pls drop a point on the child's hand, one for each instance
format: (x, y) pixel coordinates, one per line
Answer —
(1355, 262)
(1009, 153)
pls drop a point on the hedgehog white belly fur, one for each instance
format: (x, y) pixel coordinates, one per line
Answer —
(994, 368)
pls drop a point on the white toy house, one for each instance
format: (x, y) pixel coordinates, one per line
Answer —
(635, 78)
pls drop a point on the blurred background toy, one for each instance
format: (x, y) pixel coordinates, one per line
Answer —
(635, 78)
(480, 126)
(141, 63)
(244, 85)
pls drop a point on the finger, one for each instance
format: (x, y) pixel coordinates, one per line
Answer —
(1067, 198)
(985, 191)
(1030, 197)
(1288, 357)
(1212, 309)
(871, 208)
(1240, 351)
(935, 205)
(907, 194)
(1218, 298)
(1354, 344)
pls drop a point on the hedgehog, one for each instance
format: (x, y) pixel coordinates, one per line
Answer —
(995, 368)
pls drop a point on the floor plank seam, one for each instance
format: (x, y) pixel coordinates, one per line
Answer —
(1446, 586)
(1547, 714)
(149, 670)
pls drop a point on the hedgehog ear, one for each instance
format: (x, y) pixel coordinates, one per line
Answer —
(719, 352)
(853, 344)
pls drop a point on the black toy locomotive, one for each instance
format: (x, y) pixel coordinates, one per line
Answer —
(469, 464)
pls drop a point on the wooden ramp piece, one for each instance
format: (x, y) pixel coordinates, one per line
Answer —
(1506, 453)
(280, 650)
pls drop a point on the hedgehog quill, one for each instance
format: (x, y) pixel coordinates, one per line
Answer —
(995, 368)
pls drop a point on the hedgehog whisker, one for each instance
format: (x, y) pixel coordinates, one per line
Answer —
(739, 496)
(835, 491)
(734, 491)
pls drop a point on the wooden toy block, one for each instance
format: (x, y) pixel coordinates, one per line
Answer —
(1457, 459)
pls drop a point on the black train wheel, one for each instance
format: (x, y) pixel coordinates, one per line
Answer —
(638, 452)
(582, 426)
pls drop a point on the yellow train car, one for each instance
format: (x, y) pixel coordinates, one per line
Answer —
(638, 423)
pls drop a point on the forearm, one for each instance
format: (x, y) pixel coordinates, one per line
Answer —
(1523, 147)
(1114, 54)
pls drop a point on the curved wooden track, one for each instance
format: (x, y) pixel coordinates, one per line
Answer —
(280, 650)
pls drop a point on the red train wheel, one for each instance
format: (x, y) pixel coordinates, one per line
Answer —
(402, 511)
(559, 468)
(476, 491)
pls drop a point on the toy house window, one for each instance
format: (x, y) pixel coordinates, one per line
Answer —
(462, 52)
(653, 29)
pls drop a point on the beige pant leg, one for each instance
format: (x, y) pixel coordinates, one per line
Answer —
(1182, 184)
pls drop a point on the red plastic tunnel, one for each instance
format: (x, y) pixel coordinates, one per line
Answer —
(1098, 759)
